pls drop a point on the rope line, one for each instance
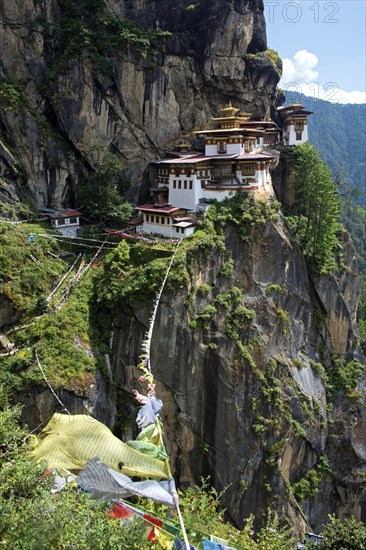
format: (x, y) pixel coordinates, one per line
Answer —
(53, 232)
(62, 280)
(22, 221)
(49, 385)
(71, 241)
(146, 344)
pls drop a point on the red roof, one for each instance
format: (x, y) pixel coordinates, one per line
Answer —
(293, 109)
(188, 159)
(158, 208)
(64, 213)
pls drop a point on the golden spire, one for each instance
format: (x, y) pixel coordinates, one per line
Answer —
(229, 110)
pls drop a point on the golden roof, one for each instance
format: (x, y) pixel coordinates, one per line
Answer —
(231, 117)
(229, 110)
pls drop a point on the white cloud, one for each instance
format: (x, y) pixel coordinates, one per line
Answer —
(299, 76)
(332, 93)
(300, 69)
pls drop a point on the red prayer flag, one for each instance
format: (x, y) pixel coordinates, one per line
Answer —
(119, 511)
(152, 536)
(154, 521)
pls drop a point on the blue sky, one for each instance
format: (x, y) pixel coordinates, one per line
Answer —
(321, 42)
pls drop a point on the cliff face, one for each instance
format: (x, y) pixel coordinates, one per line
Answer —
(134, 107)
(253, 409)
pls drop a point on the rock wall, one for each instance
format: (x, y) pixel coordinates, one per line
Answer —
(139, 108)
(253, 418)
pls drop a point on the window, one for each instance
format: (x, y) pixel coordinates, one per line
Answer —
(298, 136)
(61, 221)
(185, 184)
(221, 146)
(177, 229)
(156, 219)
(248, 169)
(190, 185)
(174, 184)
(147, 217)
(180, 184)
(162, 220)
(73, 220)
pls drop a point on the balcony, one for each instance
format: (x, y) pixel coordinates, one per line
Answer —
(221, 180)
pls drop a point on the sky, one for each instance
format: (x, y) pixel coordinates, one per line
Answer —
(322, 45)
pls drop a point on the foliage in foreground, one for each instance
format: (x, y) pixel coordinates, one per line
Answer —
(32, 518)
(350, 535)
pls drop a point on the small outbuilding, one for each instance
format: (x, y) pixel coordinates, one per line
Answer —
(65, 220)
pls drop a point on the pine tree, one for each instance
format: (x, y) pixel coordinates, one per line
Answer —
(99, 194)
(316, 209)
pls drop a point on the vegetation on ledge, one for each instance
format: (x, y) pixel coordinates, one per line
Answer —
(69, 341)
(88, 28)
(27, 269)
(314, 217)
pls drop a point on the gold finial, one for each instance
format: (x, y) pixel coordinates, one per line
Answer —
(229, 110)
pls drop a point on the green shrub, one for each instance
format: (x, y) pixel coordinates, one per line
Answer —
(203, 289)
(343, 376)
(241, 211)
(27, 269)
(281, 289)
(349, 534)
(227, 267)
(205, 315)
(309, 484)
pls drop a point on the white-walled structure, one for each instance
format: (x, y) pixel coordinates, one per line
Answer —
(66, 220)
(235, 159)
(166, 221)
(295, 124)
